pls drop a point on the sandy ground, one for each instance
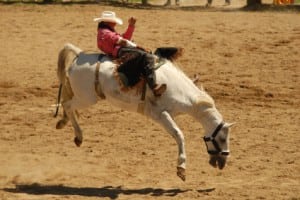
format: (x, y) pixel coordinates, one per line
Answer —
(249, 62)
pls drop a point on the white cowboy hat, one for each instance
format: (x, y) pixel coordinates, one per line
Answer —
(109, 16)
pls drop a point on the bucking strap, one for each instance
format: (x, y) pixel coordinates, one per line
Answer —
(98, 87)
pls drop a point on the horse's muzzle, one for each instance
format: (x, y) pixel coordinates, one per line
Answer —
(218, 161)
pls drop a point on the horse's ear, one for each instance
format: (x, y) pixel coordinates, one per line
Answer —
(228, 125)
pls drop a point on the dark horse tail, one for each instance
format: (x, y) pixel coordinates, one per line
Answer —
(58, 101)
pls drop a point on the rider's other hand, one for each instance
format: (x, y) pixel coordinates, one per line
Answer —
(122, 42)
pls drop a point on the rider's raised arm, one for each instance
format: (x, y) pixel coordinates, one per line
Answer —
(130, 29)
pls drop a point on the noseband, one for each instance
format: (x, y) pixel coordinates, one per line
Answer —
(212, 139)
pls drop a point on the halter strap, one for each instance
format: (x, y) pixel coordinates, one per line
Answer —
(219, 127)
(212, 139)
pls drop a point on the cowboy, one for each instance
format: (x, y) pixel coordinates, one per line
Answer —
(117, 45)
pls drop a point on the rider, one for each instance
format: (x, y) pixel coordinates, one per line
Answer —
(117, 45)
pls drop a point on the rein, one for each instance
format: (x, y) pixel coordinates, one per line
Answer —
(212, 139)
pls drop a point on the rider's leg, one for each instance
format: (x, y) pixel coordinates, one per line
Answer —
(149, 74)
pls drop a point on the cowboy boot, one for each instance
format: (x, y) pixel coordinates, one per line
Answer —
(157, 89)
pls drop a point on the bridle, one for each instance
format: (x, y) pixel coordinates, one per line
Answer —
(212, 139)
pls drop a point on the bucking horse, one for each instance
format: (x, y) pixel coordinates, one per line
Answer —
(85, 78)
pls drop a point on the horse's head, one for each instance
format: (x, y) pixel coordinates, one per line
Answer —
(218, 145)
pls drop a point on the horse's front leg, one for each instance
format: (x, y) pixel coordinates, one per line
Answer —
(70, 112)
(172, 128)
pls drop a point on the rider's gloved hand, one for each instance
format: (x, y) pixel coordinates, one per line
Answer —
(131, 21)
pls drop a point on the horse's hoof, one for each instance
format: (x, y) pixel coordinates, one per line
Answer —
(181, 173)
(60, 124)
(77, 142)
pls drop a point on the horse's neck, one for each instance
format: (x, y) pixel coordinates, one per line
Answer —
(208, 116)
(191, 99)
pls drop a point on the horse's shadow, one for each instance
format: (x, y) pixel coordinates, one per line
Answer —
(107, 191)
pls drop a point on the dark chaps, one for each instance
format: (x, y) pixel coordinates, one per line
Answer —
(136, 64)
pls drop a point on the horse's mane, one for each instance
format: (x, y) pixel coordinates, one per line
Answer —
(170, 53)
(178, 54)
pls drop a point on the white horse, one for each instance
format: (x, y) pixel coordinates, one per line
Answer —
(84, 79)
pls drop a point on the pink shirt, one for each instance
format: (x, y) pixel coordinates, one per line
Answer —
(107, 40)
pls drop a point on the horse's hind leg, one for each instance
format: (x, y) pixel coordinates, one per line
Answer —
(70, 111)
(62, 123)
(172, 128)
(67, 95)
